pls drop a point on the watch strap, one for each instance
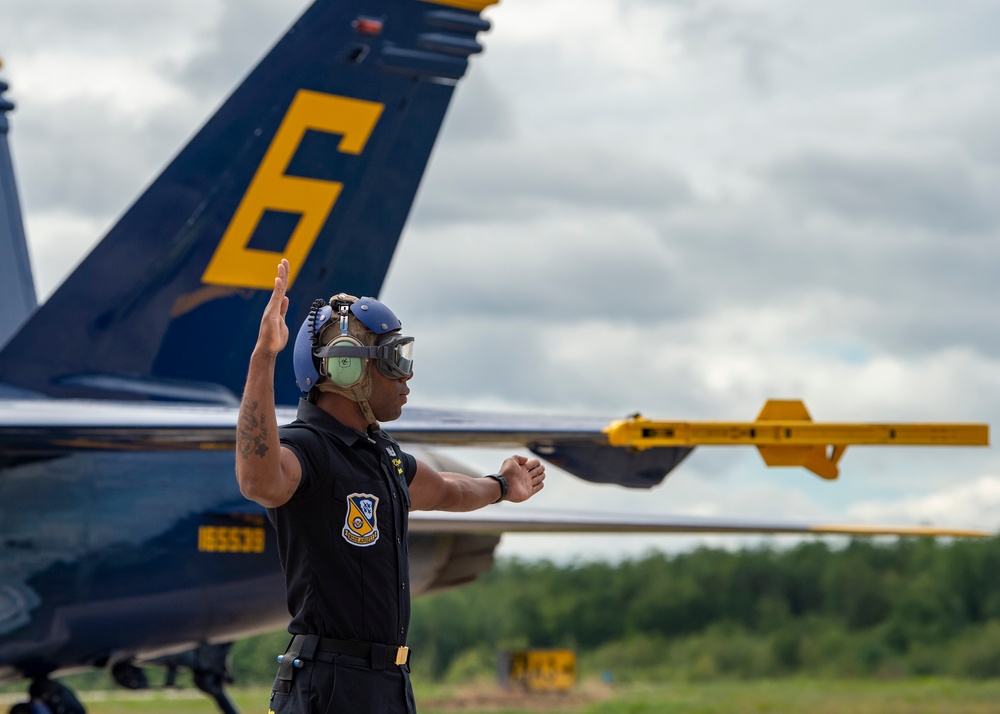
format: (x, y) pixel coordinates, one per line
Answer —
(503, 486)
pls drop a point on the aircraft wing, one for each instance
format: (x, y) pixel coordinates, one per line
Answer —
(522, 519)
(578, 445)
(637, 453)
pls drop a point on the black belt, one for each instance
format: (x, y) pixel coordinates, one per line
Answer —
(306, 647)
(375, 653)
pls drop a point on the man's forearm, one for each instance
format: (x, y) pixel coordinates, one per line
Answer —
(471, 493)
(257, 448)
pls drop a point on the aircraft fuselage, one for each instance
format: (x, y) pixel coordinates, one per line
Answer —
(109, 554)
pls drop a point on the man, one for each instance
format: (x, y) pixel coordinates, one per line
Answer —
(338, 490)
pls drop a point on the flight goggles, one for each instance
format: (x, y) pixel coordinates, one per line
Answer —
(393, 354)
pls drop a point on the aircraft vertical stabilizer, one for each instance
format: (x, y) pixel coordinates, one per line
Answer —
(17, 288)
(315, 157)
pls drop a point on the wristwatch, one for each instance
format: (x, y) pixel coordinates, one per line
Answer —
(503, 486)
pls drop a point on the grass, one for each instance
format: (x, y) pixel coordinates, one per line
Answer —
(923, 696)
(813, 696)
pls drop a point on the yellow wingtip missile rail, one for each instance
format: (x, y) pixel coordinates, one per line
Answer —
(785, 435)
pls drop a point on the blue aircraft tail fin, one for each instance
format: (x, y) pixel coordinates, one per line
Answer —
(17, 288)
(315, 157)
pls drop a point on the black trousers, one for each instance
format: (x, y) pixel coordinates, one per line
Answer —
(341, 684)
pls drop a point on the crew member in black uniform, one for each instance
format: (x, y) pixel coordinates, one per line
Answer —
(338, 490)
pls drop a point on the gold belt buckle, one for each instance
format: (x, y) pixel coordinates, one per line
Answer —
(402, 654)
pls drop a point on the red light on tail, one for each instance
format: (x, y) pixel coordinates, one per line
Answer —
(367, 26)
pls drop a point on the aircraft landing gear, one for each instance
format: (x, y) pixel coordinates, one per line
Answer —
(212, 675)
(209, 665)
(49, 697)
(129, 676)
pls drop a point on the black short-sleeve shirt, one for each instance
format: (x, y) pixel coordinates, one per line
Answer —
(342, 536)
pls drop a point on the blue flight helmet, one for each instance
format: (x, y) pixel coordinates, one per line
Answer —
(342, 358)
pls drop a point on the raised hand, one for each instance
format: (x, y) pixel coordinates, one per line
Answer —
(273, 329)
(524, 478)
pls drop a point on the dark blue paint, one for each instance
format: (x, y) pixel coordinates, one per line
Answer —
(17, 288)
(107, 545)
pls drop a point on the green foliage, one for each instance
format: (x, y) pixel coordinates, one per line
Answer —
(255, 659)
(977, 652)
(871, 609)
(886, 609)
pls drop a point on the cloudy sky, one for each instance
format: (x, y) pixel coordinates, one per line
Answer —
(680, 208)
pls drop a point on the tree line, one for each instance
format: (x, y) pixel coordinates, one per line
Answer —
(909, 606)
(869, 608)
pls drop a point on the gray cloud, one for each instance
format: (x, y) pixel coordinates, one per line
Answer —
(543, 178)
(112, 157)
(35, 26)
(905, 192)
(480, 111)
(242, 35)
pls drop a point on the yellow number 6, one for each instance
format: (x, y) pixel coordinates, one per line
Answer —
(234, 264)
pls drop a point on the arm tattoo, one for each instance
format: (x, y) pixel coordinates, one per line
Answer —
(293, 485)
(251, 435)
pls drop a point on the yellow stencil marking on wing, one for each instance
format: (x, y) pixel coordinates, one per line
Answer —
(230, 539)
(922, 531)
(236, 265)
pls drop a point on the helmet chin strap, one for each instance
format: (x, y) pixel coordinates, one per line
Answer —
(367, 410)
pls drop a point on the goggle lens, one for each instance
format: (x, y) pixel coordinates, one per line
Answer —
(395, 357)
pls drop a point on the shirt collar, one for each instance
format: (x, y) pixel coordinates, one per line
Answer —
(314, 416)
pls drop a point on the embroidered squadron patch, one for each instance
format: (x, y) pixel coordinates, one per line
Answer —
(361, 524)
